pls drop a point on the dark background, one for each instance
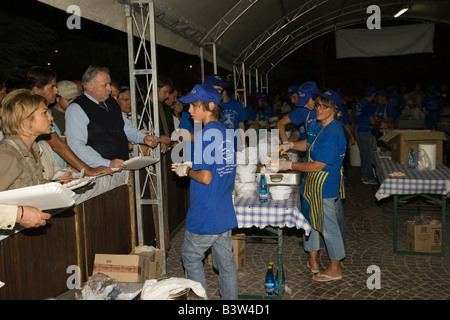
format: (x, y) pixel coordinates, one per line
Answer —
(31, 32)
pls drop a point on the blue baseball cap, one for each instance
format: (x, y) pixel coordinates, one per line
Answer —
(202, 92)
(261, 96)
(333, 96)
(215, 80)
(305, 92)
(292, 89)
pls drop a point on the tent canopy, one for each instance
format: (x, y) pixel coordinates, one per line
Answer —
(259, 33)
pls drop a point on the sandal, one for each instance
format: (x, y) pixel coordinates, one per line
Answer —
(325, 277)
(315, 271)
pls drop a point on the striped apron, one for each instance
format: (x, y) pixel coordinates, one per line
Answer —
(311, 191)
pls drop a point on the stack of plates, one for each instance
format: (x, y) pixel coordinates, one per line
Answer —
(280, 192)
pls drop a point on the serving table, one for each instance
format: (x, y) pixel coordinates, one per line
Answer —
(271, 216)
(433, 185)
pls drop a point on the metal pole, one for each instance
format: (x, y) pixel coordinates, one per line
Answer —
(214, 58)
(202, 64)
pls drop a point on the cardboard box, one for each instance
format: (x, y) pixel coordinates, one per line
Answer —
(400, 141)
(424, 237)
(153, 262)
(238, 251)
(120, 267)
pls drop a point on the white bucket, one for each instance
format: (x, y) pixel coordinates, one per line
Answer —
(355, 159)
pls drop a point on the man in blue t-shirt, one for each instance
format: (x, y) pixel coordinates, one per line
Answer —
(301, 117)
(211, 216)
(385, 112)
(233, 114)
(363, 114)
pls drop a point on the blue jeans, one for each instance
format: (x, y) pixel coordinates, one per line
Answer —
(365, 146)
(332, 235)
(193, 253)
(341, 219)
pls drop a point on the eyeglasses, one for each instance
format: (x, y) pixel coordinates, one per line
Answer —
(321, 105)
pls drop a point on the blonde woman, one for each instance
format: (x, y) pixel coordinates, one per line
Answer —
(25, 116)
(323, 186)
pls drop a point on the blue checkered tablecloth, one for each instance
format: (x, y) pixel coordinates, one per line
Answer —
(276, 213)
(414, 182)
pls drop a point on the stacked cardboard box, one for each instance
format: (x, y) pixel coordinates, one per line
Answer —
(424, 236)
(239, 249)
(153, 262)
(119, 267)
(400, 141)
(138, 266)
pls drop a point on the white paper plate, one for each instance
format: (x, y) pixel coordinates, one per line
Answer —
(78, 183)
(137, 163)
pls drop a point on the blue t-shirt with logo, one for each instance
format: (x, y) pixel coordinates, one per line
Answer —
(329, 147)
(301, 118)
(262, 115)
(211, 208)
(363, 110)
(232, 114)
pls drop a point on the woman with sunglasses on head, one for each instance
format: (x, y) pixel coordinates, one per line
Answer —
(25, 117)
(321, 189)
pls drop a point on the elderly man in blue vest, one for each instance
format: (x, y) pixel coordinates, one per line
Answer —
(95, 129)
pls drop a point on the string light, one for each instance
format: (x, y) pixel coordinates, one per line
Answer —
(398, 14)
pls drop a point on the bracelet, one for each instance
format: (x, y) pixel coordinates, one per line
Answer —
(21, 217)
(187, 174)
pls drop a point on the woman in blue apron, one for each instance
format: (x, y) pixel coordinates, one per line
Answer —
(323, 186)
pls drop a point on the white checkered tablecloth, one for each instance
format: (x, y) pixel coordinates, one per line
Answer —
(276, 213)
(414, 182)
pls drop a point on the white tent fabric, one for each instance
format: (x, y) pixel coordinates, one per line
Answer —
(387, 41)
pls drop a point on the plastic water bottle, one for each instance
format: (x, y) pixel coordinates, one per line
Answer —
(283, 281)
(263, 193)
(270, 281)
(412, 157)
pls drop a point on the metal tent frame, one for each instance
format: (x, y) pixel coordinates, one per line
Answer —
(143, 80)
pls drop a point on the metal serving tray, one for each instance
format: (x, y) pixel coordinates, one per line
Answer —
(292, 178)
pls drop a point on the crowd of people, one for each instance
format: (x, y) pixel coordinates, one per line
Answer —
(50, 126)
(86, 125)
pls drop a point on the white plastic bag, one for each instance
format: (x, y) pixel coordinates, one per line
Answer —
(423, 161)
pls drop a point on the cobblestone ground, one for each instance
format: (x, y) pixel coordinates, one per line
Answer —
(369, 237)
